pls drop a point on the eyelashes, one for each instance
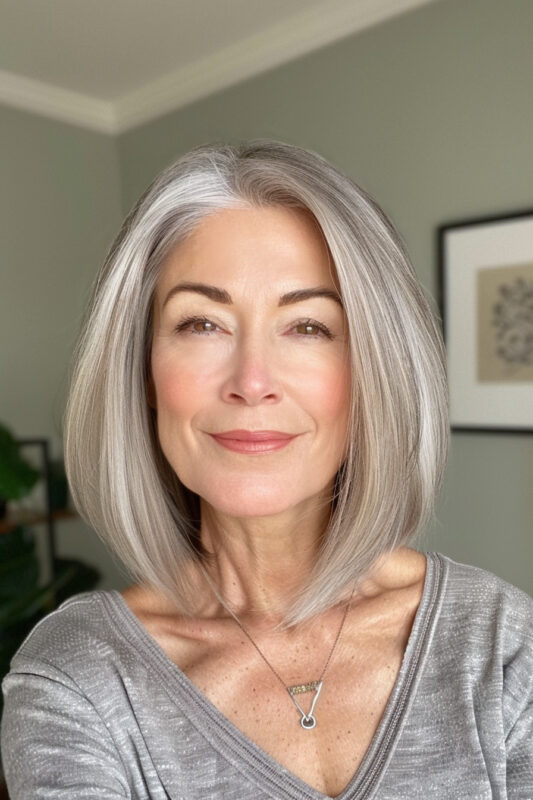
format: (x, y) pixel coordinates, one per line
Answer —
(202, 326)
(189, 323)
(309, 324)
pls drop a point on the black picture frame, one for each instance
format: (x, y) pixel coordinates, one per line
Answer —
(485, 267)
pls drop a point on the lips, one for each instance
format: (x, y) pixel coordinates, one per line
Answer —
(253, 436)
(243, 441)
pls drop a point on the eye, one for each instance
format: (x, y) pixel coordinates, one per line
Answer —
(310, 328)
(196, 325)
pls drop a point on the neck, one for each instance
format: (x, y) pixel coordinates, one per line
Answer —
(259, 564)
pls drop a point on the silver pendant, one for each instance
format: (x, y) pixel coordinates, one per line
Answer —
(308, 720)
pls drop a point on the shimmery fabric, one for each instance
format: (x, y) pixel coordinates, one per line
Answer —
(95, 709)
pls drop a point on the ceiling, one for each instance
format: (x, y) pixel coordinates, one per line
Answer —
(110, 65)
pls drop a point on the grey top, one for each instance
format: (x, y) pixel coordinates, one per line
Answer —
(94, 708)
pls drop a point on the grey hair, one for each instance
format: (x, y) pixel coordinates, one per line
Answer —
(398, 432)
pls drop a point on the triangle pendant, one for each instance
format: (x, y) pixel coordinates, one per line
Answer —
(308, 720)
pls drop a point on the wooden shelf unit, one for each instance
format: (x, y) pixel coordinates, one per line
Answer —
(30, 517)
(48, 516)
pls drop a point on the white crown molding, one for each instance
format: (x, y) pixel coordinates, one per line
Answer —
(51, 101)
(321, 25)
(316, 27)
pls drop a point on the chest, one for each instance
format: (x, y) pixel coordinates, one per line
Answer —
(348, 711)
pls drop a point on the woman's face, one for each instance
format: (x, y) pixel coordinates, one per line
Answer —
(250, 366)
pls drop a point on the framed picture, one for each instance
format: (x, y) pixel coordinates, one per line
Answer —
(486, 296)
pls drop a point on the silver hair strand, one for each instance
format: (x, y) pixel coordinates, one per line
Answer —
(398, 434)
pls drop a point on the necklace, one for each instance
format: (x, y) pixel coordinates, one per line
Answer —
(307, 720)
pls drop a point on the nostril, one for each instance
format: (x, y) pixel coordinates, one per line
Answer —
(251, 389)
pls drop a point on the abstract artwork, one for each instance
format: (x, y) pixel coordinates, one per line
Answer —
(486, 298)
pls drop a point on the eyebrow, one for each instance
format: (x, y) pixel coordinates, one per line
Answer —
(222, 296)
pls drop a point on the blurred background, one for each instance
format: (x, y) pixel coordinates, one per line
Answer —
(427, 104)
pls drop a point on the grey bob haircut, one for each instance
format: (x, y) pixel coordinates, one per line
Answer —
(398, 432)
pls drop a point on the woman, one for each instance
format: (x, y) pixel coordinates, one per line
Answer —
(257, 428)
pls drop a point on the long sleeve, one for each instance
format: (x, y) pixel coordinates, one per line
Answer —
(519, 746)
(518, 711)
(54, 744)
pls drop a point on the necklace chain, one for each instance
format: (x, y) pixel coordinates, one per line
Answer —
(307, 720)
(267, 662)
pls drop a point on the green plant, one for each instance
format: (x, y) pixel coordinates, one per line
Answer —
(17, 477)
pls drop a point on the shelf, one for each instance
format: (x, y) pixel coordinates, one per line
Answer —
(29, 517)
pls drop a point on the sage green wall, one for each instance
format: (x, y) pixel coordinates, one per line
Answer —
(432, 112)
(59, 208)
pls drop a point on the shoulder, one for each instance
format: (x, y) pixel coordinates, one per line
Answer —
(477, 594)
(63, 708)
(488, 620)
(75, 639)
(484, 638)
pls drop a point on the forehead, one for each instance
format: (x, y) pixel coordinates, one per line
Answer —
(279, 245)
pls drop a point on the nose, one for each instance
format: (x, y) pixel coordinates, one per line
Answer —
(251, 379)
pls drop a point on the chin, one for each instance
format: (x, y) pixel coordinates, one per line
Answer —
(251, 504)
(246, 500)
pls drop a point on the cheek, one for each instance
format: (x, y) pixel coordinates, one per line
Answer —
(326, 385)
(337, 413)
(179, 387)
(180, 393)
(330, 395)
(338, 394)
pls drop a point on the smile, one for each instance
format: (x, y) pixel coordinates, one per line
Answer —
(252, 442)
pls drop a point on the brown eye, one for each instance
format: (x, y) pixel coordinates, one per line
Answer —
(203, 326)
(308, 329)
(196, 325)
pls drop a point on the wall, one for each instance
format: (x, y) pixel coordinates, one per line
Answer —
(60, 208)
(432, 112)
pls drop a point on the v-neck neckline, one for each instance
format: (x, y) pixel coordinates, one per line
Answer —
(250, 758)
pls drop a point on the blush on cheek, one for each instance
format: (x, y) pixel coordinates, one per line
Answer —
(329, 394)
(176, 390)
(338, 395)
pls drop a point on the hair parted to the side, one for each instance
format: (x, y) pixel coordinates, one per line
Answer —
(398, 437)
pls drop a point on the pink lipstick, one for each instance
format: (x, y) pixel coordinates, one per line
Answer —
(241, 441)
